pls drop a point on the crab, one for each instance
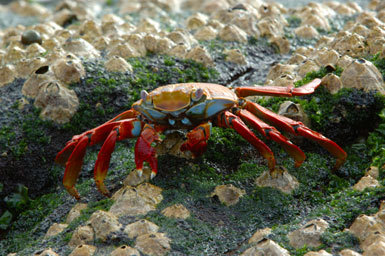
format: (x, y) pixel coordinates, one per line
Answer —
(193, 108)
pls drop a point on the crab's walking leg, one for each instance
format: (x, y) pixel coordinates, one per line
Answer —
(128, 128)
(278, 90)
(144, 150)
(74, 165)
(229, 120)
(299, 129)
(270, 132)
(197, 139)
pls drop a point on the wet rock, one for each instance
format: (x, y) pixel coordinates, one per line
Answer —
(149, 26)
(324, 41)
(305, 51)
(75, 212)
(293, 111)
(32, 85)
(83, 250)
(309, 234)
(156, 244)
(232, 33)
(375, 249)
(133, 178)
(105, 225)
(177, 211)
(260, 235)
(117, 64)
(228, 194)
(283, 80)
(266, 247)
(235, 56)
(372, 171)
(326, 57)
(81, 48)
(57, 102)
(319, 253)
(306, 31)
(332, 83)
(82, 235)
(91, 28)
(375, 45)
(281, 180)
(197, 20)
(136, 41)
(366, 182)
(316, 21)
(182, 37)
(25, 67)
(371, 239)
(248, 24)
(25, 8)
(7, 74)
(31, 36)
(362, 74)
(35, 50)
(364, 225)
(125, 250)
(348, 252)
(55, 229)
(46, 252)
(348, 43)
(158, 44)
(101, 43)
(179, 51)
(281, 42)
(206, 33)
(68, 70)
(139, 228)
(136, 201)
(171, 145)
(296, 59)
(344, 61)
(201, 55)
(280, 69)
(123, 50)
(270, 26)
(14, 54)
(306, 67)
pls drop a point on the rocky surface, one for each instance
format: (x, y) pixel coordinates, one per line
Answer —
(69, 66)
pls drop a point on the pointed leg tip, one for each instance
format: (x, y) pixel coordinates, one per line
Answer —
(139, 172)
(297, 164)
(73, 192)
(153, 174)
(102, 189)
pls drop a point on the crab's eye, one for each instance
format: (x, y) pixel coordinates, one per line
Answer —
(197, 94)
(145, 97)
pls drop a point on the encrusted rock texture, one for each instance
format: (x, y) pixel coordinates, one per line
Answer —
(69, 66)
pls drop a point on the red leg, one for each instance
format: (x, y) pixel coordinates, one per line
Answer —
(270, 132)
(123, 129)
(72, 155)
(197, 139)
(228, 120)
(74, 165)
(299, 129)
(144, 150)
(278, 90)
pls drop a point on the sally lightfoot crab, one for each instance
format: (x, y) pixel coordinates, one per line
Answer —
(192, 107)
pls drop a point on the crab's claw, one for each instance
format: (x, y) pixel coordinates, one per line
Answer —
(197, 139)
(145, 152)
